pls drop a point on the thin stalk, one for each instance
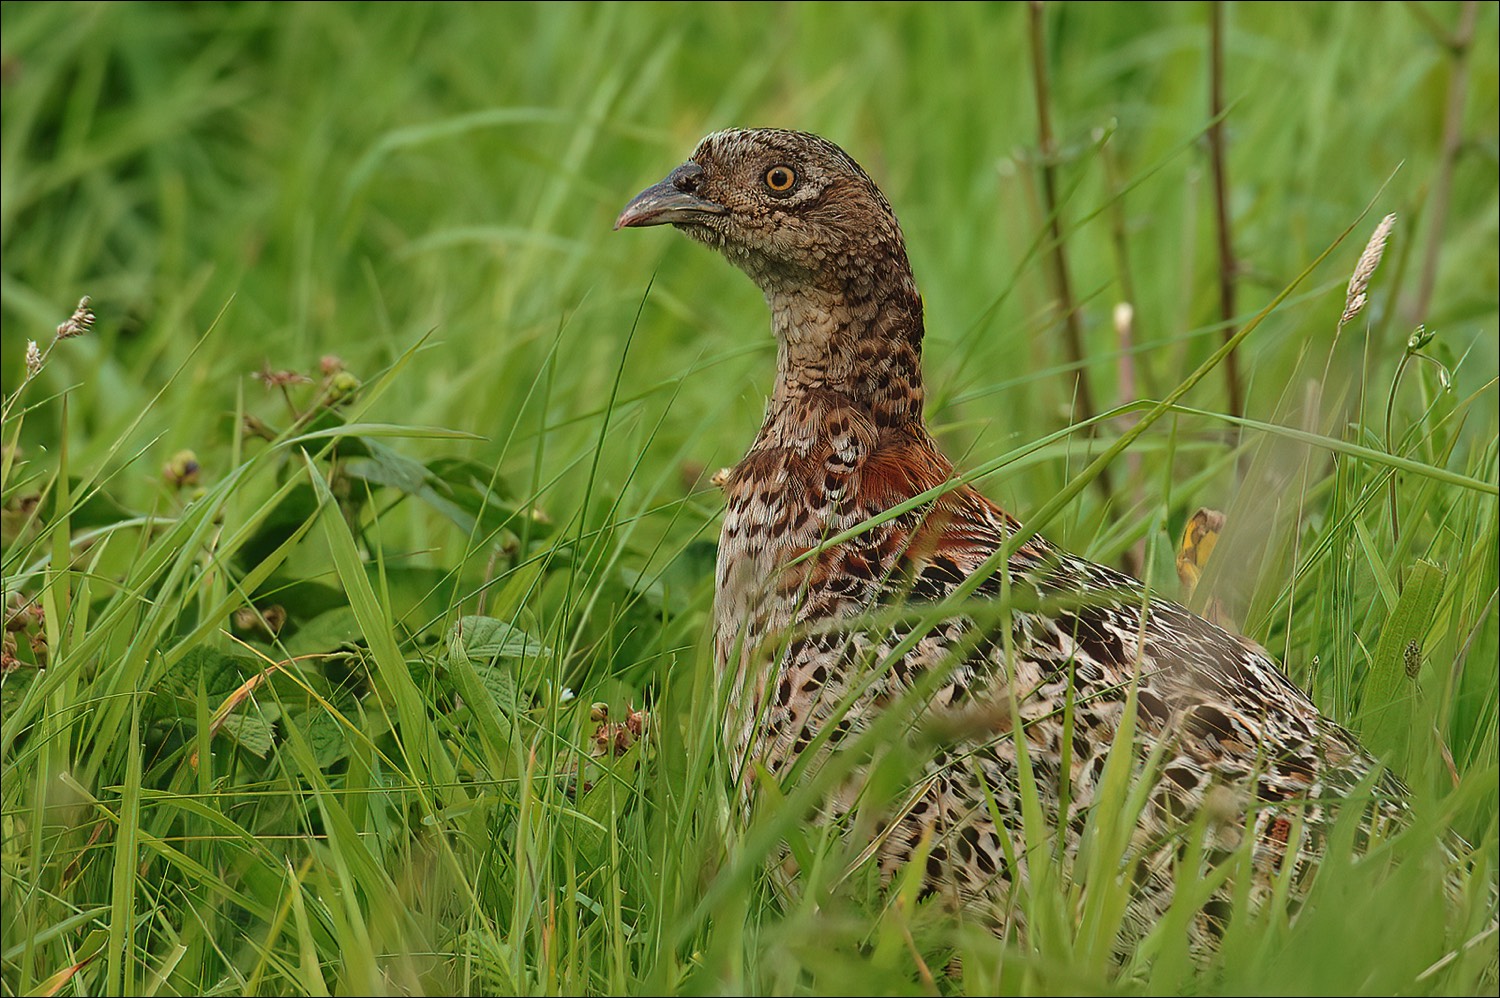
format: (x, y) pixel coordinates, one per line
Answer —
(1134, 556)
(1414, 345)
(1228, 266)
(1057, 252)
(1459, 45)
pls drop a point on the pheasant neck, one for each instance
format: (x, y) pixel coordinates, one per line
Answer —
(861, 340)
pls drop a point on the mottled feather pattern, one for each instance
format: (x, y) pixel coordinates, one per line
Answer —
(1215, 710)
(803, 635)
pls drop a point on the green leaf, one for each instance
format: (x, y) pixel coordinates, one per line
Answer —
(466, 472)
(252, 728)
(362, 430)
(479, 656)
(222, 673)
(423, 752)
(485, 497)
(387, 466)
(325, 736)
(324, 633)
(1389, 701)
(487, 687)
(602, 807)
(14, 688)
(485, 639)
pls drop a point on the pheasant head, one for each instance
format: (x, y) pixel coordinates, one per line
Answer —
(807, 224)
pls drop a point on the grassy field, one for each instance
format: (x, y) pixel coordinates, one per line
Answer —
(384, 459)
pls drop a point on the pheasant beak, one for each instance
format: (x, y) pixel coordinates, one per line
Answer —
(673, 200)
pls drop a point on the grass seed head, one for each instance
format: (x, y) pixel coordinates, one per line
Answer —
(1359, 283)
(80, 322)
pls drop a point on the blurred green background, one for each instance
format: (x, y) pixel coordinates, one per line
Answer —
(347, 178)
(427, 191)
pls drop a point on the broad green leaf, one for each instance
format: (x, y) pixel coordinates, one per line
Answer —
(325, 736)
(1388, 707)
(387, 466)
(485, 639)
(325, 633)
(251, 729)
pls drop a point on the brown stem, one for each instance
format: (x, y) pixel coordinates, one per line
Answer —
(1057, 254)
(1227, 263)
(1459, 44)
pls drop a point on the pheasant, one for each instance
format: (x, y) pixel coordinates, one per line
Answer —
(819, 625)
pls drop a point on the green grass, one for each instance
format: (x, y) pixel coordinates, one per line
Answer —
(426, 192)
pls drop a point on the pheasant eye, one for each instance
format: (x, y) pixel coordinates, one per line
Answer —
(780, 178)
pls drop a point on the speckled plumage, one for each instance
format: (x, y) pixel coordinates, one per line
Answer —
(806, 636)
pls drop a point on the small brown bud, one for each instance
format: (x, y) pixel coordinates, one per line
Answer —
(267, 621)
(181, 470)
(342, 386)
(275, 617)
